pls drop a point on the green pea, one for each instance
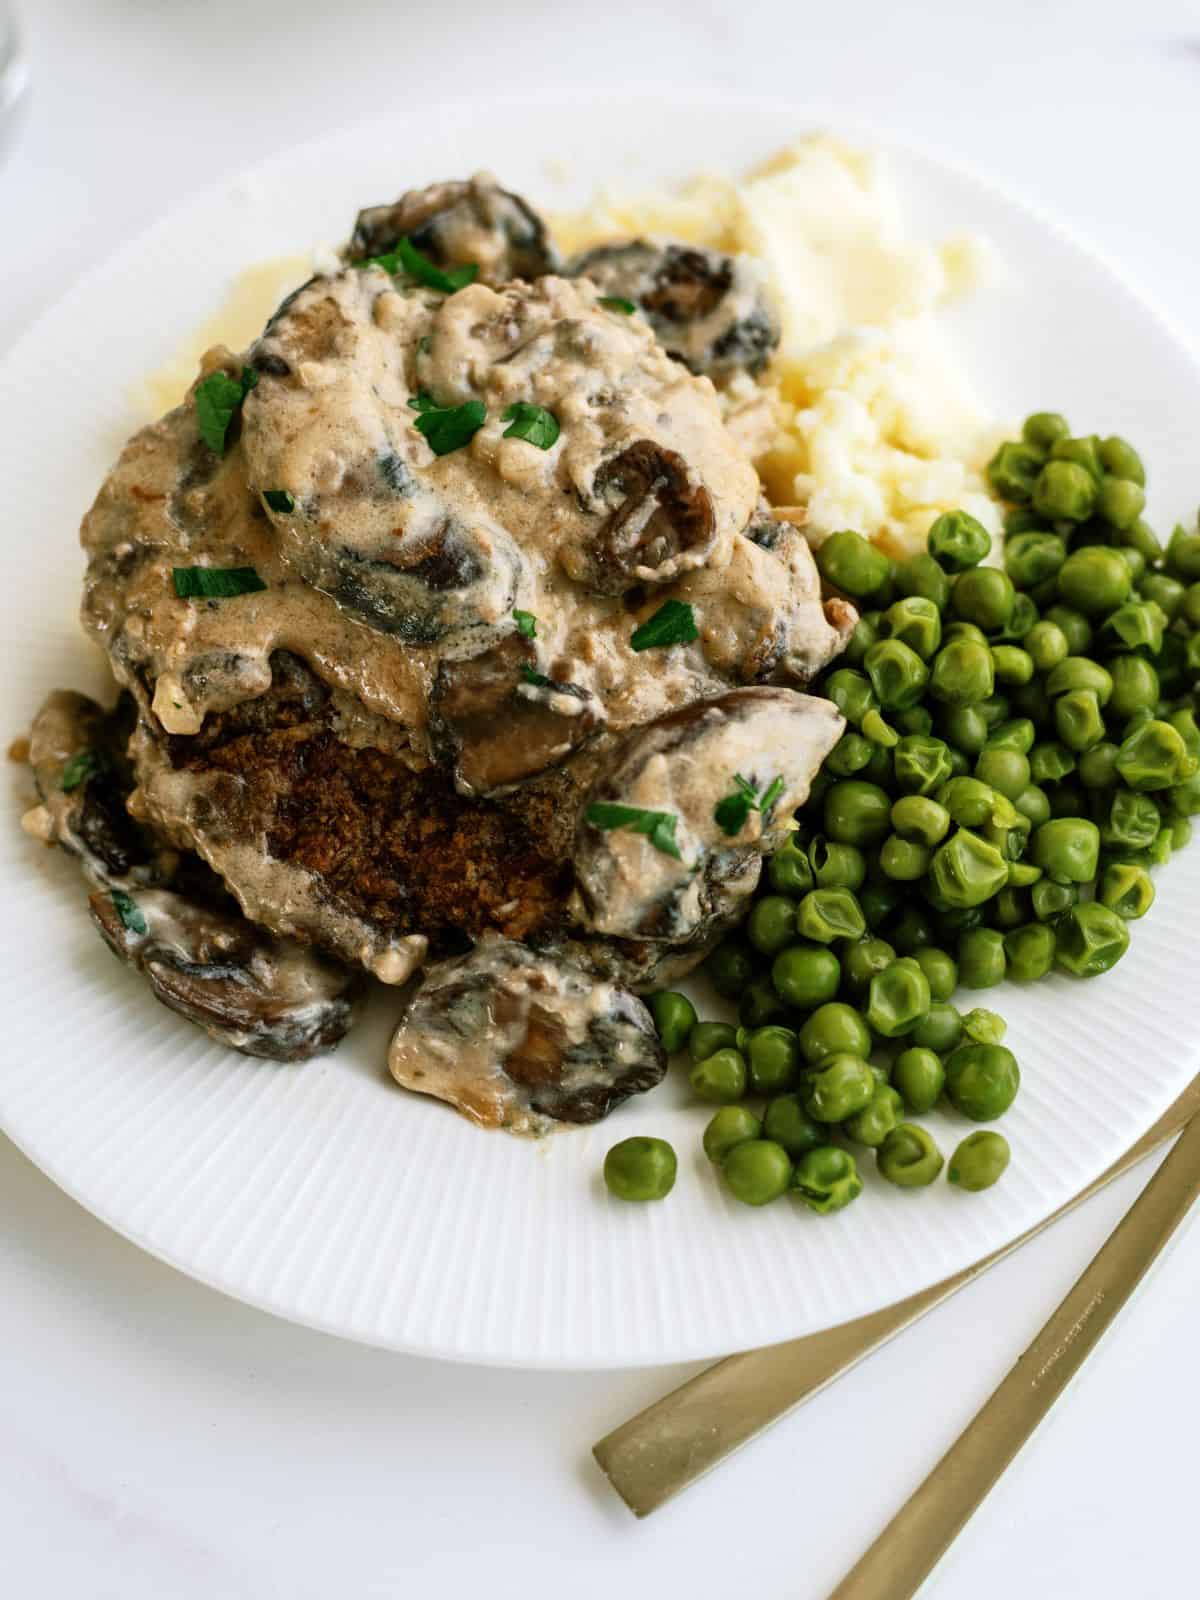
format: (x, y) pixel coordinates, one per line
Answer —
(1122, 460)
(921, 577)
(1080, 672)
(1064, 492)
(730, 1126)
(789, 870)
(866, 633)
(674, 1017)
(1029, 950)
(940, 969)
(1091, 940)
(964, 727)
(919, 1076)
(640, 1169)
(1031, 558)
(1077, 719)
(772, 923)
(921, 764)
(911, 930)
(1024, 616)
(1120, 501)
(960, 766)
(1050, 762)
(1073, 625)
(939, 1030)
(1142, 538)
(848, 756)
(875, 1121)
(979, 1161)
(878, 731)
(899, 998)
(1184, 721)
(827, 914)
(877, 771)
(806, 975)
(1046, 645)
(760, 1003)
(963, 673)
(1167, 593)
(1023, 874)
(1006, 771)
(1094, 580)
(1067, 849)
(827, 1179)
(995, 711)
(1159, 852)
(1084, 451)
(897, 673)
(916, 622)
(1098, 766)
(757, 1171)
(966, 870)
(981, 1026)
(834, 1028)
(916, 816)
(1009, 909)
(787, 1123)
(958, 630)
(904, 859)
(1011, 665)
(719, 1078)
(913, 719)
(984, 596)
(1044, 429)
(879, 901)
(1013, 470)
(1126, 889)
(957, 541)
(1154, 756)
(1033, 803)
(852, 693)
(1131, 822)
(1183, 555)
(856, 812)
(1189, 609)
(1018, 734)
(981, 958)
(1181, 833)
(908, 1157)
(853, 564)
(706, 1038)
(840, 1086)
(969, 802)
(982, 1080)
(861, 961)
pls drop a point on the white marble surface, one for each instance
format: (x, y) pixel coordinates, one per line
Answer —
(157, 1439)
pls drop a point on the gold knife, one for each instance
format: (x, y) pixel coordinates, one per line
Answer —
(920, 1533)
(689, 1431)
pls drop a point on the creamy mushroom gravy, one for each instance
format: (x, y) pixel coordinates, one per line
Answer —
(405, 579)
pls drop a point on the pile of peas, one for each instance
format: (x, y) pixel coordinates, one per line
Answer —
(1021, 749)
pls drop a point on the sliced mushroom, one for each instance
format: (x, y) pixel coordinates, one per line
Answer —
(458, 224)
(75, 742)
(709, 310)
(683, 766)
(761, 617)
(661, 512)
(247, 989)
(495, 720)
(518, 1040)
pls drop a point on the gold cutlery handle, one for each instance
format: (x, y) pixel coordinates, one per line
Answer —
(679, 1438)
(926, 1525)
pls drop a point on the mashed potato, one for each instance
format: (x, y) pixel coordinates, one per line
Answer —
(872, 423)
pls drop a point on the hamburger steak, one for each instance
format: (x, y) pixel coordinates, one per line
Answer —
(458, 576)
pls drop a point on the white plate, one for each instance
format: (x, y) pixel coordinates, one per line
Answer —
(322, 1192)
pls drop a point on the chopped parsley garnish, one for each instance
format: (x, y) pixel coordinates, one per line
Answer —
(658, 826)
(79, 768)
(129, 911)
(732, 812)
(447, 428)
(526, 624)
(279, 500)
(407, 258)
(530, 422)
(672, 623)
(538, 679)
(215, 583)
(614, 302)
(218, 400)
